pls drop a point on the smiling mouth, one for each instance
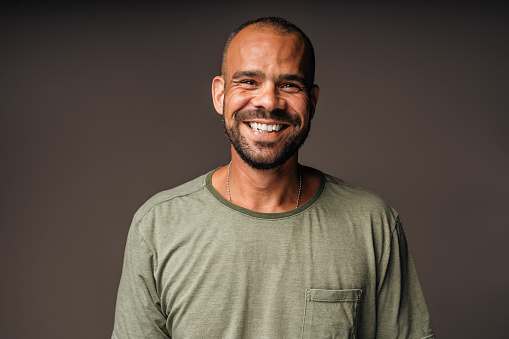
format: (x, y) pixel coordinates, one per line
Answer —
(265, 128)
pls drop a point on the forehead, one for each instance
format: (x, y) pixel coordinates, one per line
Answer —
(265, 49)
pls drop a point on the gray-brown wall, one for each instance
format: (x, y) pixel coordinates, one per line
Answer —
(104, 105)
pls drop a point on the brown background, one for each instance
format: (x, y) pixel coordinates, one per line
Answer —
(104, 105)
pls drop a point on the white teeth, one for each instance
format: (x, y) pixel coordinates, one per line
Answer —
(264, 128)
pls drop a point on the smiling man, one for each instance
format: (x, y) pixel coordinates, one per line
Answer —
(264, 247)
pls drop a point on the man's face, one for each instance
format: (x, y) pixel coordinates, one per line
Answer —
(266, 107)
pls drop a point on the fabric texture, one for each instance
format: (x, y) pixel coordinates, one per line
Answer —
(198, 266)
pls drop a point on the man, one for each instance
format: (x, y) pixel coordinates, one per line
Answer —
(264, 247)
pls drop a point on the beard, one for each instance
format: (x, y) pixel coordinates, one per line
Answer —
(264, 155)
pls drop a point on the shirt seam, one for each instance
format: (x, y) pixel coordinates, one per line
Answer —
(166, 200)
(149, 245)
(393, 230)
(138, 222)
(388, 248)
(344, 183)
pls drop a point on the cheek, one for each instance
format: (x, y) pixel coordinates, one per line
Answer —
(299, 106)
(236, 101)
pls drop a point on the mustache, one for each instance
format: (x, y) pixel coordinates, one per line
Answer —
(261, 113)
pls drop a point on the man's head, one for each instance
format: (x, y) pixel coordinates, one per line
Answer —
(266, 92)
(278, 26)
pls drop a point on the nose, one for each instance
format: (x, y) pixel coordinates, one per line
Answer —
(269, 98)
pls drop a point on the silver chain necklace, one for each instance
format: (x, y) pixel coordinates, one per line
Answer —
(228, 184)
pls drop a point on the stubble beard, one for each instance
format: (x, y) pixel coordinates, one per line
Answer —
(264, 155)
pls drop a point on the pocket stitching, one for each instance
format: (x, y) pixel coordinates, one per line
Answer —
(356, 299)
(336, 300)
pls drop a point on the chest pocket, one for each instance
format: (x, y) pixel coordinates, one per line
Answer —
(331, 313)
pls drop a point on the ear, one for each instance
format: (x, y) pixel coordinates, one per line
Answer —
(218, 93)
(313, 98)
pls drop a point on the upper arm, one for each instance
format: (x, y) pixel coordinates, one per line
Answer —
(401, 308)
(138, 311)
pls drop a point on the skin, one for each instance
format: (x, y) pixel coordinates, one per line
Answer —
(265, 70)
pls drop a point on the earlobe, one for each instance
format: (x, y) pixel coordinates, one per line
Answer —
(218, 93)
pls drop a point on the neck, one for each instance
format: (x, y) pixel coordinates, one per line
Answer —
(268, 191)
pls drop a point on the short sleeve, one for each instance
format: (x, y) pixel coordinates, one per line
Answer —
(401, 308)
(138, 311)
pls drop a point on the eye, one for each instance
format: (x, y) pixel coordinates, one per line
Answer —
(290, 88)
(248, 82)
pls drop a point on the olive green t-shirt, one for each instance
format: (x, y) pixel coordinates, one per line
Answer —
(198, 266)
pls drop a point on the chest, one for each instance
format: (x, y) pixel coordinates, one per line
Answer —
(258, 273)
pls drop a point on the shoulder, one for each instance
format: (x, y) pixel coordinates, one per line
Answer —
(342, 189)
(356, 200)
(166, 198)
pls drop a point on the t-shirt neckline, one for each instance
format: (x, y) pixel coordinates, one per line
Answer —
(227, 203)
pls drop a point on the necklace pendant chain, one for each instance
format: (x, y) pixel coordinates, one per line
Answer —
(228, 184)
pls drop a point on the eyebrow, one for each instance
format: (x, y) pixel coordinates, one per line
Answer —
(242, 74)
(293, 77)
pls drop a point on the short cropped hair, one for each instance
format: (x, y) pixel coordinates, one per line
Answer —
(283, 26)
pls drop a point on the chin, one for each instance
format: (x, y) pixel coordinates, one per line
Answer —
(264, 163)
